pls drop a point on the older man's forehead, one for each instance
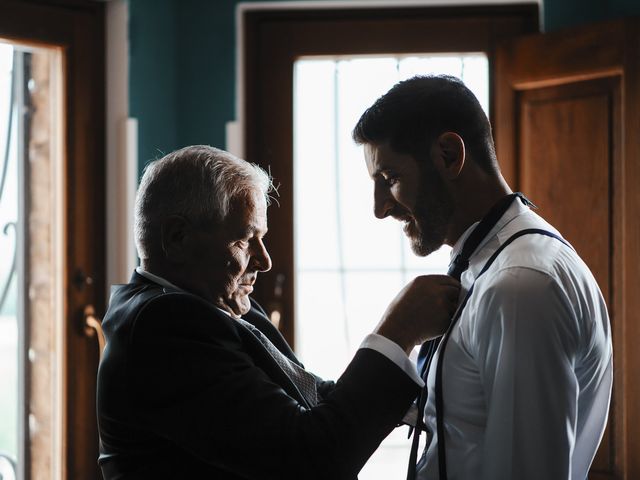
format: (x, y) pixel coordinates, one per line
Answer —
(248, 216)
(254, 222)
(247, 200)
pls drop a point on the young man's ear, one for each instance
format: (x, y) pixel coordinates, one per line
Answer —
(173, 233)
(449, 155)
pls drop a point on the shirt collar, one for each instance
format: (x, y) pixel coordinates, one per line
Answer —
(515, 209)
(157, 279)
(167, 284)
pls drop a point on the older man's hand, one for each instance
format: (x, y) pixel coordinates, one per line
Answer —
(421, 311)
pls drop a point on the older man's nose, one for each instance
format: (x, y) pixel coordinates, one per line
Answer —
(262, 259)
(382, 202)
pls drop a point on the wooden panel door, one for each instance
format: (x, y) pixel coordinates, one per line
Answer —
(566, 131)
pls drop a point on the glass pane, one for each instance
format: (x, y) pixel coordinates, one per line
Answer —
(391, 459)
(360, 82)
(314, 165)
(8, 245)
(367, 296)
(320, 302)
(437, 262)
(474, 75)
(30, 176)
(431, 65)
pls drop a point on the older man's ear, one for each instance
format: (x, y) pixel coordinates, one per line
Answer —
(174, 236)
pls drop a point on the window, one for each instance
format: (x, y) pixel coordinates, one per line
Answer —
(345, 258)
(274, 40)
(9, 280)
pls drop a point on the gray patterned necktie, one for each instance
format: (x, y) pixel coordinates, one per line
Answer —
(302, 379)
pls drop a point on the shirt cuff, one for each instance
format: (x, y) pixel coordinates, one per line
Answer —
(393, 352)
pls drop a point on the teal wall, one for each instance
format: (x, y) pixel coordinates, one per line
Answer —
(153, 75)
(181, 73)
(207, 70)
(182, 82)
(567, 13)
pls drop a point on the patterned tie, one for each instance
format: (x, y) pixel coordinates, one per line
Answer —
(303, 380)
(456, 269)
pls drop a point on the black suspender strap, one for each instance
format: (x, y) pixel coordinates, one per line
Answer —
(442, 457)
(457, 267)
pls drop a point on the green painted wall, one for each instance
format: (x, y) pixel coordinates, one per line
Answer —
(207, 71)
(153, 75)
(181, 73)
(182, 65)
(567, 13)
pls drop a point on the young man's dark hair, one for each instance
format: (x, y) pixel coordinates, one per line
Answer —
(416, 111)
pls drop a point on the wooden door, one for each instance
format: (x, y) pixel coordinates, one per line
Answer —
(58, 427)
(567, 124)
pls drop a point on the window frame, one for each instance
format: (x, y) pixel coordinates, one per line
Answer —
(270, 40)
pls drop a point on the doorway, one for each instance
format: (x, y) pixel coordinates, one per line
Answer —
(51, 235)
(308, 76)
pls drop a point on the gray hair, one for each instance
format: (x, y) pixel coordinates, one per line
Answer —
(197, 182)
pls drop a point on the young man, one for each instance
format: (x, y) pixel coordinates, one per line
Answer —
(519, 386)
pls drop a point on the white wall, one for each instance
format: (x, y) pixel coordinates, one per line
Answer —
(121, 146)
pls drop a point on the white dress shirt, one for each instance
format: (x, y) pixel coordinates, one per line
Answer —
(527, 371)
(376, 342)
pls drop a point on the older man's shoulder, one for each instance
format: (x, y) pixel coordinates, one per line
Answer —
(172, 312)
(149, 310)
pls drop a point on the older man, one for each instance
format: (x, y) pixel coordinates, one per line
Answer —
(519, 386)
(196, 382)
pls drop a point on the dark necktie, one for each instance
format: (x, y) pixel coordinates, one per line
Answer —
(457, 267)
(303, 380)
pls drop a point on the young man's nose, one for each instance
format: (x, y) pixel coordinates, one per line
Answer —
(383, 202)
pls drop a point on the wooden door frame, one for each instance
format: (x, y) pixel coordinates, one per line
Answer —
(273, 39)
(611, 50)
(77, 27)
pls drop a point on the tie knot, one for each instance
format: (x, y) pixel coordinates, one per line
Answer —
(459, 265)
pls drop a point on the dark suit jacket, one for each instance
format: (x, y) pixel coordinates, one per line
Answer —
(185, 391)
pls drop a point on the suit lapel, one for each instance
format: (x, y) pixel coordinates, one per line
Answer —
(265, 360)
(258, 318)
(261, 356)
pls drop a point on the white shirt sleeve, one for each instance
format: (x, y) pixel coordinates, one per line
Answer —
(393, 352)
(526, 346)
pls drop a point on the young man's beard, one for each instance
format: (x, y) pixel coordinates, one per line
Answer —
(432, 215)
